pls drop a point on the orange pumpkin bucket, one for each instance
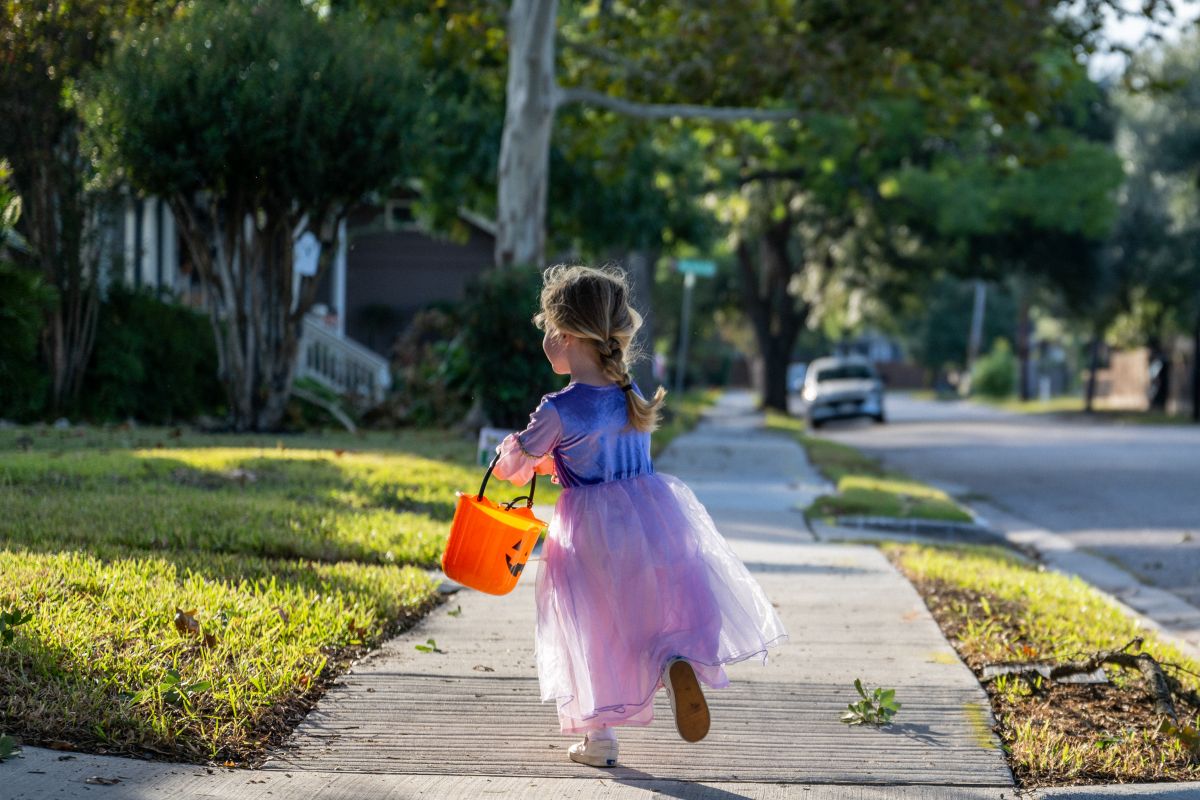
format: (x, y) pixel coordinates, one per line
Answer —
(490, 544)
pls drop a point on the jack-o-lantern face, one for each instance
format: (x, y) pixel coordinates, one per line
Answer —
(515, 551)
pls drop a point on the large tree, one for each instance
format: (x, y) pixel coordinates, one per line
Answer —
(762, 60)
(46, 46)
(792, 63)
(257, 122)
(1160, 233)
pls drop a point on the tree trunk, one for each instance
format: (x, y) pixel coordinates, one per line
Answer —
(247, 270)
(775, 315)
(1023, 382)
(639, 264)
(55, 222)
(1093, 367)
(530, 99)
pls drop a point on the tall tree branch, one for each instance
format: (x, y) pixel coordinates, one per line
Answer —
(632, 108)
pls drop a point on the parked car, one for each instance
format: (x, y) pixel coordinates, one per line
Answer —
(842, 388)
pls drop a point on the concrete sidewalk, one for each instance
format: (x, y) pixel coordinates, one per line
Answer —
(466, 722)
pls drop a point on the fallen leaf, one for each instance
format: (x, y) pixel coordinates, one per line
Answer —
(185, 622)
(482, 668)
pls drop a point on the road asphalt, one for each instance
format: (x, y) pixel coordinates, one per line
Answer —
(1123, 496)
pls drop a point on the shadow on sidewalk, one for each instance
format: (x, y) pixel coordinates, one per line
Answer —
(918, 733)
(667, 787)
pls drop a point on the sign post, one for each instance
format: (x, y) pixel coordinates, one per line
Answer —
(690, 267)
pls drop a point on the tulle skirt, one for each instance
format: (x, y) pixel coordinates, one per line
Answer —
(634, 573)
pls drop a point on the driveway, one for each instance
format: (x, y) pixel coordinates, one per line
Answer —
(1128, 493)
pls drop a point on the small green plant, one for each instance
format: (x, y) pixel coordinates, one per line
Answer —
(11, 619)
(876, 708)
(430, 646)
(174, 691)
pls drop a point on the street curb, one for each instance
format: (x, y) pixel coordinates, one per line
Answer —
(1172, 617)
(934, 529)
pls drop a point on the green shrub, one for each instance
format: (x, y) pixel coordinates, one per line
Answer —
(23, 301)
(995, 375)
(432, 370)
(508, 370)
(154, 361)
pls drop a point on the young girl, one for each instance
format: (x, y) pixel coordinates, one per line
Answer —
(636, 588)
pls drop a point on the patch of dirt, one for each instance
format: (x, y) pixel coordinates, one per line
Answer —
(1088, 717)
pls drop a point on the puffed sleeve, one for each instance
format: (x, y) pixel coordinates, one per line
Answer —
(528, 452)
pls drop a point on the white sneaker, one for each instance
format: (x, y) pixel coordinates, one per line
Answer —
(692, 719)
(594, 754)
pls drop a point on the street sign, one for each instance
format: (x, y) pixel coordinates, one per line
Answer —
(697, 266)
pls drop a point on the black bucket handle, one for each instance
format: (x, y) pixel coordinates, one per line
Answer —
(508, 506)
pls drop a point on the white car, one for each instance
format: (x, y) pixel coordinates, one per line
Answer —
(842, 388)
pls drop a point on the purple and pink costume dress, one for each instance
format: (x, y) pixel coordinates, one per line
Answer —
(633, 571)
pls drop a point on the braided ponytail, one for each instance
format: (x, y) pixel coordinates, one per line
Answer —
(593, 305)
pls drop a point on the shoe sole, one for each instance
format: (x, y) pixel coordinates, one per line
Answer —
(590, 762)
(691, 709)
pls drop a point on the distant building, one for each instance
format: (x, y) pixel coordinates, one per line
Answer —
(889, 358)
(387, 268)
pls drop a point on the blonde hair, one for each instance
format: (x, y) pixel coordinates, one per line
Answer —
(593, 305)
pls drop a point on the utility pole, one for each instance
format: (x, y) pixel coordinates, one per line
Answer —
(975, 342)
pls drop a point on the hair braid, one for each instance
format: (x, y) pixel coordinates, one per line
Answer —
(593, 305)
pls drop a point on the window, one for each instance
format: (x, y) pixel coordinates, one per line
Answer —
(846, 372)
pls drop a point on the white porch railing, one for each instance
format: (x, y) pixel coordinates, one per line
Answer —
(341, 364)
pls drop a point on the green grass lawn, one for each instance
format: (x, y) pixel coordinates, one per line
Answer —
(1055, 405)
(1072, 406)
(995, 607)
(290, 553)
(864, 487)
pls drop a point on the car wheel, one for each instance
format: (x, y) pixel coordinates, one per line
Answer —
(815, 423)
(880, 419)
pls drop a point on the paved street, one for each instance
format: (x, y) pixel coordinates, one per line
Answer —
(1129, 493)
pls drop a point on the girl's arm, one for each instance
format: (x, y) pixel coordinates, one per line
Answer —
(528, 452)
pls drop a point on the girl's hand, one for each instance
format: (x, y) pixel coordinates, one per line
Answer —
(517, 466)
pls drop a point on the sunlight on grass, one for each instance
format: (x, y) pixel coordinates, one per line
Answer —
(102, 632)
(1053, 405)
(288, 555)
(891, 486)
(864, 487)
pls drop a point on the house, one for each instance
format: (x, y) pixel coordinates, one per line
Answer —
(387, 268)
(394, 268)
(886, 353)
